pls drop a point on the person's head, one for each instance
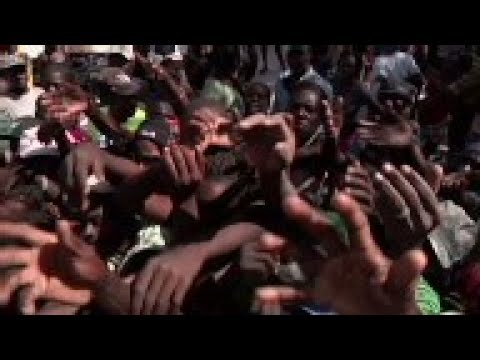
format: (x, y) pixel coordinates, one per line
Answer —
(307, 109)
(18, 79)
(202, 115)
(298, 59)
(257, 98)
(225, 62)
(124, 92)
(349, 66)
(54, 75)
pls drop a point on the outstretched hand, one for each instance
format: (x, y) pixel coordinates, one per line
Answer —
(361, 279)
(33, 270)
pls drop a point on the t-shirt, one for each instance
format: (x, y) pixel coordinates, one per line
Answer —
(24, 106)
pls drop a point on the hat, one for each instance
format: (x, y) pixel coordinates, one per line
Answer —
(157, 131)
(119, 82)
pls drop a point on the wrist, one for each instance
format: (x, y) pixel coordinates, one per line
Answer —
(204, 250)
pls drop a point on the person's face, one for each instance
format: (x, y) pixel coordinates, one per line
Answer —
(257, 101)
(204, 123)
(347, 67)
(298, 62)
(54, 79)
(19, 79)
(306, 109)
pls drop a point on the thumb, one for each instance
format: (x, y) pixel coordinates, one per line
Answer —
(270, 242)
(68, 239)
(27, 297)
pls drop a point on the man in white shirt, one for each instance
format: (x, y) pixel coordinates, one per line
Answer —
(19, 101)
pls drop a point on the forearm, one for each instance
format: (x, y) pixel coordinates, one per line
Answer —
(180, 92)
(121, 167)
(230, 239)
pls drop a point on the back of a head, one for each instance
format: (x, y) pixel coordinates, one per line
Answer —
(225, 60)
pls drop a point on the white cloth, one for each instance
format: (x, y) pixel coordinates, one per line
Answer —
(31, 146)
(24, 106)
(396, 68)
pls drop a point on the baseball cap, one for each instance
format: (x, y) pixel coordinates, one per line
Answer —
(156, 130)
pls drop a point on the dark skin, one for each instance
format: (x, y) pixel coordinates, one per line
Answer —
(298, 63)
(257, 99)
(19, 80)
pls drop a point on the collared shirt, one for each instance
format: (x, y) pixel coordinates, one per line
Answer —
(283, 95)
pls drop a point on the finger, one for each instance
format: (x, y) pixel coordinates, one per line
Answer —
(251, 122)
(158, 280)
(272, 243)
(388, 197)
(180, 291)
(26, 299)
(164, 304)
(81, 178)
(15, 256)
(58, 291)
(261, 263)
(202, 163)
(405, 274)
(170, 164)
(192, 165)
(358, 182)
(408, 192)
(315, 223)
(426, 193)
(15, 280)
(139, 288)
(367, 124)
(69, 239)
(357, 170)
(283, 295)
(362, 197)
(180, 164)
(27, 234)
(361, 236)
(99, 171)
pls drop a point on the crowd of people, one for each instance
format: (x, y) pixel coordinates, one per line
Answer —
(180, 184)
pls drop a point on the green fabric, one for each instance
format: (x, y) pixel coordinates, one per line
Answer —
(225, 94)
(339, 224)
(428, 300)
(134, 122)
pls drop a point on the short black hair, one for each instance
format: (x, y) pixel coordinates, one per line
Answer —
(310, 86)
(258, 85)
